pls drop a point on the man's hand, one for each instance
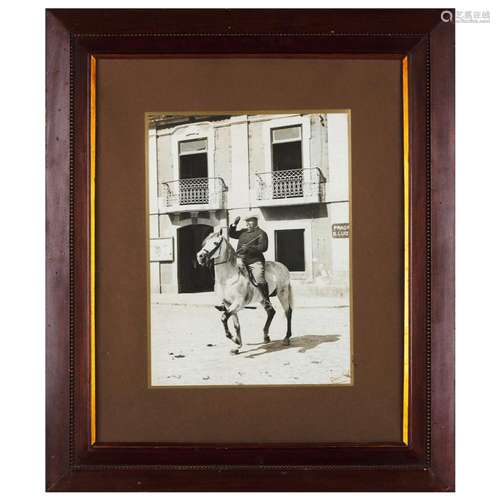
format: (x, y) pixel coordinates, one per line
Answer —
(235, 223)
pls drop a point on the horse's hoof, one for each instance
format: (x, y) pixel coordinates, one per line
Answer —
(235, 351)
(266, 339)
(286, 341)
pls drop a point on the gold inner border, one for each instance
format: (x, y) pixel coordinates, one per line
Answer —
(92, 118)
(406, 293)
(406, 322)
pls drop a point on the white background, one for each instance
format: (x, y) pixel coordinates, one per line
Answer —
(22, 248)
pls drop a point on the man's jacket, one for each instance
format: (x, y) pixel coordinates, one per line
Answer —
(251, 244)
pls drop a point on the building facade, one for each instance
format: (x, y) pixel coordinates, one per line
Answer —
(292, 170)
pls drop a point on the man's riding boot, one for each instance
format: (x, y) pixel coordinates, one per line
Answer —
(264, 290)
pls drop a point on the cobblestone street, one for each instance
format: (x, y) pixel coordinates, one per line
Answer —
(189, 347)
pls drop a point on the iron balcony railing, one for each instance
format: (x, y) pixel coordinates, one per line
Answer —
(302, 185)
(198, 192)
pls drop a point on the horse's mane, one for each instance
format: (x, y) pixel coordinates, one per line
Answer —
(206, 239)
(231, 253)
(232, 259)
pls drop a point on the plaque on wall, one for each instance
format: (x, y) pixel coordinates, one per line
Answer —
(340, 230)
(161, 249)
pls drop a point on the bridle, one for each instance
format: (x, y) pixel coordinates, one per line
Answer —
(210, 254)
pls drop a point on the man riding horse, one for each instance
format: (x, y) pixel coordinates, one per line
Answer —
(252, 243)
(236, 289)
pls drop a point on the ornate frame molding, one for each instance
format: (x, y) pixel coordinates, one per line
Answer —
(74, 461)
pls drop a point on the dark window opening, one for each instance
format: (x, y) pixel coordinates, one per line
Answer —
(287, 175)
(287, 155)
(193, 172)
(289, 246)
(192, 166)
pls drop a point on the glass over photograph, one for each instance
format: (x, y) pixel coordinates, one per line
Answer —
(249, 248)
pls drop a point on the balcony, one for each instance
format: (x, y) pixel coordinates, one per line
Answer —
(199, 193)
(288, 187)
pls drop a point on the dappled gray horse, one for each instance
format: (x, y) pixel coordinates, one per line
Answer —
(236, 291)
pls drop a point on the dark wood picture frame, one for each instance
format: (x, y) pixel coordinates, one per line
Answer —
(74, 461)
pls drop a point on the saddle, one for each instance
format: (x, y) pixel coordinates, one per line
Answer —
(247, 271)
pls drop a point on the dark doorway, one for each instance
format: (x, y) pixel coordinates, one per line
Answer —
(191, 276)
(289, 245)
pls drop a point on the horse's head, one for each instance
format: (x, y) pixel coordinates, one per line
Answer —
(211, 248)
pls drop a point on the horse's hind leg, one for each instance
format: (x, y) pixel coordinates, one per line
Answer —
(286, 340)
(285, 298)
(270, 315)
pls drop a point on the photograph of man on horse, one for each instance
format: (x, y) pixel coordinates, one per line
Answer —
(249, 247)
(243, 277)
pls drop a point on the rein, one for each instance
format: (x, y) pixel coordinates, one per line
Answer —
(213, 262)
(212, 252)
(251, 277)
(225, 258)
(215, 248)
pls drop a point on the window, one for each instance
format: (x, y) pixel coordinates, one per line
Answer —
(193, 172)
(193, 159)
(289, 247)
(287, 175)
(193, 147)
(286, 148)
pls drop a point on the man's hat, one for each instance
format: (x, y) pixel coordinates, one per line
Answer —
(251, 216)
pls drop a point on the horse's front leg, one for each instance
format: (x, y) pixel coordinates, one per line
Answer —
(231, 311)
(224, 320)
(236, 324)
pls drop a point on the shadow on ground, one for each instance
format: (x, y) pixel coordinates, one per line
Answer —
(304, 343)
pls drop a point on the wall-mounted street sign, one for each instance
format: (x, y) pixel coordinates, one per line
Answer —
(340, 230)
(161, 250)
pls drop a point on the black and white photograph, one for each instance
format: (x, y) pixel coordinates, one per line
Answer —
(249, 248)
